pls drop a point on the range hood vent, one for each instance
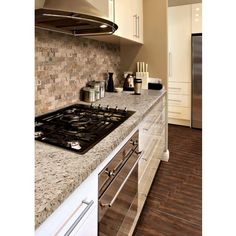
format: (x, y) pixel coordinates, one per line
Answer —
(73, 17)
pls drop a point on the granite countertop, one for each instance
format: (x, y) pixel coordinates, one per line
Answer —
(58, 172)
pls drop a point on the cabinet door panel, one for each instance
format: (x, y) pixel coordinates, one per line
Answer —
(88, 228)
(140, 23)
(137, 13)
(180, 43)
(179, 100)
(179, 112)
(129, 18)
(179, 88)
(197, 18)
(124, 18)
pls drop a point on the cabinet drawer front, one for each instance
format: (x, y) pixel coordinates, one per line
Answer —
(77, 207)
(179, 100)
(79, 218)
(179, 88)
(85, 204)
(152, 117)
(179, 112)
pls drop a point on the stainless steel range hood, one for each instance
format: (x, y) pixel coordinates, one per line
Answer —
(73, 17)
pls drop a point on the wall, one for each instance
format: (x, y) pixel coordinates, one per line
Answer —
(154, 50)
(64, 64)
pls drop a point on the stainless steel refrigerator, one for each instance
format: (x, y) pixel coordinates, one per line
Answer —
(196, 115)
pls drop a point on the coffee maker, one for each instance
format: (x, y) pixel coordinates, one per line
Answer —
(129, 81)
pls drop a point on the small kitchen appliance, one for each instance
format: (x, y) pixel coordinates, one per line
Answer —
(129, 83)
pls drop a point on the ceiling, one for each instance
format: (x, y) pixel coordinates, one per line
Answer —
(182, 2)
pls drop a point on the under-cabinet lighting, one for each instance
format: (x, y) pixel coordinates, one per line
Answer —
(197, 9)
(103, 26)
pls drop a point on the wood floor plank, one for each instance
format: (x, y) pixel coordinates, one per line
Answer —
(174, 203)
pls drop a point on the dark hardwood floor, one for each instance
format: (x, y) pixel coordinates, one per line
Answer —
(174, 203)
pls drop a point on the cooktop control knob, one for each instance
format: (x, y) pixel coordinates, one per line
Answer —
(99, 106)
(125, 110)
(108, 107)
(91, 105)
(116, 108)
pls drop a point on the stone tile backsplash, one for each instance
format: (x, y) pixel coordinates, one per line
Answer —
(64, 64)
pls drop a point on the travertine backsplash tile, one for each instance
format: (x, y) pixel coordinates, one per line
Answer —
(64, 64)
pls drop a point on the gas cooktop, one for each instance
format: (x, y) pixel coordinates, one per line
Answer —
(79, 127)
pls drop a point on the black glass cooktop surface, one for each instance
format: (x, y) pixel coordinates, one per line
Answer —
(78, 127)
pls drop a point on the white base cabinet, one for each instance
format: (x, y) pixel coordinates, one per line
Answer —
(88, 228)
(153, 137)
(153, 143)
(77, 215)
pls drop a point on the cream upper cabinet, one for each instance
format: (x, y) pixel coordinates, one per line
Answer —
(129, 18)
(102, 6)
(122, 18)
(197, 18)
(179, 43)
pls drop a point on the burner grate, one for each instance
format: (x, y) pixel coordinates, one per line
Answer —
(78, 127)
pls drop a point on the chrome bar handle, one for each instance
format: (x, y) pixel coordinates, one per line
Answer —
(138, 26)
(174, 100)
(114, 11)
(170, 64)
(124, 182)
(135, 25)
(89, 204)
(174, 88)
(174, 112)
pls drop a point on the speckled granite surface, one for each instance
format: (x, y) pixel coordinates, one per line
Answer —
(59, 172)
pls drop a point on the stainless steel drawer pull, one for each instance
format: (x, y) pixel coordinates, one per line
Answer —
(175, 88)
(123, 183)
(89, 204)
(174, 112)
(138, 27)
(135, 25)
(174, 100)
(170, 64)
